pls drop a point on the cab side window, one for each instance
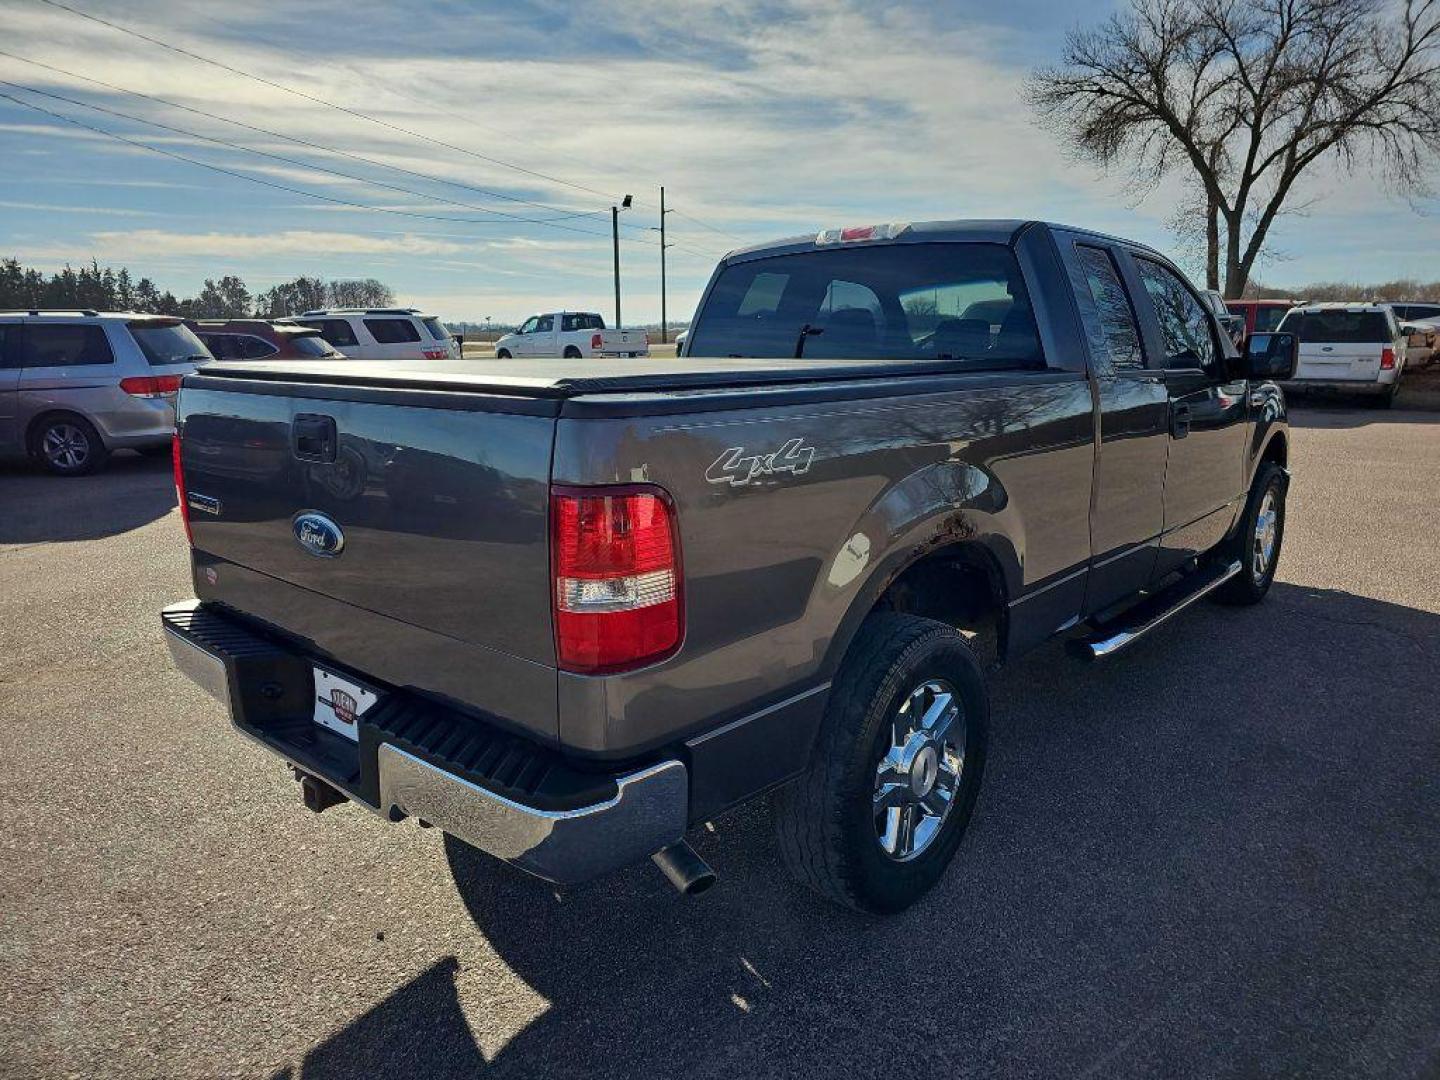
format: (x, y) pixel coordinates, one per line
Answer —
(1184, 323)
(9, 345)
(545, 324)
(1112, 328)
(65, 346)
(392, 331)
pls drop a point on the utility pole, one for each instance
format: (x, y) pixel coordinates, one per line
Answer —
(615, 241)
(664, 322)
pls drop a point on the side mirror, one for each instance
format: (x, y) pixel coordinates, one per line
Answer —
(1271, 356)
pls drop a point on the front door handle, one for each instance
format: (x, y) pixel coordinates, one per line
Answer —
(1179, 421)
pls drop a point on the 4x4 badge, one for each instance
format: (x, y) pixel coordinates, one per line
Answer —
(737, 468)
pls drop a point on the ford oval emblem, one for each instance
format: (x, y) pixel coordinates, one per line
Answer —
(318, 534)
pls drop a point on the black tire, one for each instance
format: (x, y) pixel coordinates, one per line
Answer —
(1248, 586)
(572, 353)
(1387, 399)
(68, 445)
(503, 354)
(826, 819)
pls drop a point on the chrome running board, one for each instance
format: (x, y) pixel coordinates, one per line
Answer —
(1136, 622)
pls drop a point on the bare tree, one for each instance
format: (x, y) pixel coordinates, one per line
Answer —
(1245, 95)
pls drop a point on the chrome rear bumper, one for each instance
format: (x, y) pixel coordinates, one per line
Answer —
(646, 812)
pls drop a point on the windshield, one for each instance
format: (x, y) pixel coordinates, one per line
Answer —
(1338, 327)
(169, 343)
(947, 301)
(437, 329)
(312, 345)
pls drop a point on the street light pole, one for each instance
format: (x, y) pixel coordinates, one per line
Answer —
(615, 240)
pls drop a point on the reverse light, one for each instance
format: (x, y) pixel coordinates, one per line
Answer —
(1387, 359)
(151, 386)
(180, 488)
(615, 562)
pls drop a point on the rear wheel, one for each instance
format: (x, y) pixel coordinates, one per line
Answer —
(503, 354)
(68, 446)
(572, 353)
(878, 815)
(1257, 545)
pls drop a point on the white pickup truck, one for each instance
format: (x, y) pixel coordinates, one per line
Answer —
(571, 334)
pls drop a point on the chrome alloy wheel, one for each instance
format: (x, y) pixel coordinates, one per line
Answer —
(1267, 527)
(65, 446)
(918, 777)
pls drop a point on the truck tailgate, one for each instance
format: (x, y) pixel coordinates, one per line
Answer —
(437, 517)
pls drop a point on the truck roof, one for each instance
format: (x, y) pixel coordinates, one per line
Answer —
(954, 230)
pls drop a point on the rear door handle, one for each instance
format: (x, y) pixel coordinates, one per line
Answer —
(1179, 421)
(313, 437)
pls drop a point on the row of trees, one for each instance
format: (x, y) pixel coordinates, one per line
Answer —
(1404, 289)
(108, 289)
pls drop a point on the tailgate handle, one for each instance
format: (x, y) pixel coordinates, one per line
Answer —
(314, 437)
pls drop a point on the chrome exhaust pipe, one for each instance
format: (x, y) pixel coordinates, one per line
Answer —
(690, 874)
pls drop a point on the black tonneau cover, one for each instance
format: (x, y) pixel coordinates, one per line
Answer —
(557, 378)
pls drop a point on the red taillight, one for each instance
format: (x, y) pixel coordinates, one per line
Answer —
(615, 557)
(180, 487)
(1387, 359)
(595, 341)
(150, 385)
(435, 354)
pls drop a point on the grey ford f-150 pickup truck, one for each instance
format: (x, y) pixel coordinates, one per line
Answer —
(564, 612)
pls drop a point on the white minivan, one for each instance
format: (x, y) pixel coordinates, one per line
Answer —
(1354, 348)
(383, 333)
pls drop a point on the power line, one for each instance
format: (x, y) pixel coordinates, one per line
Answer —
(357, 113)
(293, 161)
(282, 135)
(322, 101)
(257, 180)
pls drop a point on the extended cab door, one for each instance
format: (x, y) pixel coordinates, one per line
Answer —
(1127, 509)
(1209, 413)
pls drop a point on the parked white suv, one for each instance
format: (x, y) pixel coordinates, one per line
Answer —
(573, 334)
(1355, 348)
(75, 385)
(383, 333)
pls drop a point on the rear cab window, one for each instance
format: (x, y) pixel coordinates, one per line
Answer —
(392, 331)
(65, 345)
(582, 322)
(168, 343)
(955, 301)
(1269, 318)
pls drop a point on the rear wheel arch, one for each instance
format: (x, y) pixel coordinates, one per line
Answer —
(961, 584)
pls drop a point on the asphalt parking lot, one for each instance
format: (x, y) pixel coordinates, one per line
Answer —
(1216, 856)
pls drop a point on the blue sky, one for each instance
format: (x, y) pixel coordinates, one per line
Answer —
(761, 118)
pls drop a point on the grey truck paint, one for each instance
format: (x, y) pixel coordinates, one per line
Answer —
(802, 487)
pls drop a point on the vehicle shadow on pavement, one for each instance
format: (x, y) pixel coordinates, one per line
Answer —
(36, 507)
(1218, 854)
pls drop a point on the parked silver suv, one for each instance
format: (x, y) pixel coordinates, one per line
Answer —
(75, 385)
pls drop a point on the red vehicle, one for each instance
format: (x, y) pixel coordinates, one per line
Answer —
(1262, 316)
(257, 339)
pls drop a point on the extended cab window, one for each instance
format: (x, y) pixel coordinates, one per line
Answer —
(392, 331)
(964, 302)
(1184, 323)
(1111, 327)
(63, 346)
